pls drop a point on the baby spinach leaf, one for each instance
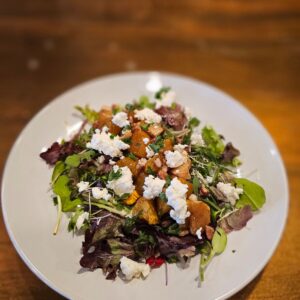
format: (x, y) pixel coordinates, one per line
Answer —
(69, 205)
(253, 194)
(57, 171)
(73, 160)
(62, 189)
(213, 140)
(218, 245)
(87, 155)
(114, 175)
(219, 240)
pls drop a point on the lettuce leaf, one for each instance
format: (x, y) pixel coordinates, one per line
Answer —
(61, 188)
(213, 140)
(253, 195)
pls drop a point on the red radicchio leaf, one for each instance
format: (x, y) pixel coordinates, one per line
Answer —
(174, 117)
(229, 153)
(59, 152)
(236, 220)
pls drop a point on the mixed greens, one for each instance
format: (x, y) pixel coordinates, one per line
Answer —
(149, 186)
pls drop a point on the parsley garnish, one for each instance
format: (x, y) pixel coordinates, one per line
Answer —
(114, 175)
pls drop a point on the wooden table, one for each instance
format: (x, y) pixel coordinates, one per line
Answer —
(250, 49)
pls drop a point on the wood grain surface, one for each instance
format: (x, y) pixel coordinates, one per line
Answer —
(250, 49)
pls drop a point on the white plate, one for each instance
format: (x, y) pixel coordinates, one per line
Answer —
(29, 213)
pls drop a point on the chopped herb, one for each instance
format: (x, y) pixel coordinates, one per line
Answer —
(158, 144)
(127, 140)
(150, 171)
(126, 128)
(193, 122)
(129, 107)
(145, 126)
(114, 175)
(168, 180)
(132, 156)
(112, 136)
(163, 196)
(187, 139)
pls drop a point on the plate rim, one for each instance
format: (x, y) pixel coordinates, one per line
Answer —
(112, 76)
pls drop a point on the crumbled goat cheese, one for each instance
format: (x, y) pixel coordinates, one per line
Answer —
(153, 186)
(132, 269)
(112, 162)
(196, 137)
(82, 186)
(81, 218)
(120, 119)
(101, 159)
(141, 163)
(176, 196)
(104, 142)
(199, 233)
(180, 147)
(124, 184)
(146, 141)
(147, 115)
(167, 99)
(149, 152)
(230, 192)
(100, 193)
(174, 158)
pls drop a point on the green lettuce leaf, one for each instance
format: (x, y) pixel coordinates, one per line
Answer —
(62, 189)
(253, 195)
(213, 140)
(90, 114)
(57, 171)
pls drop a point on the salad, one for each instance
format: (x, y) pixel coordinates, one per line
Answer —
(149, 186)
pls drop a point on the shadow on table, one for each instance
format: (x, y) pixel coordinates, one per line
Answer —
(247, 290)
